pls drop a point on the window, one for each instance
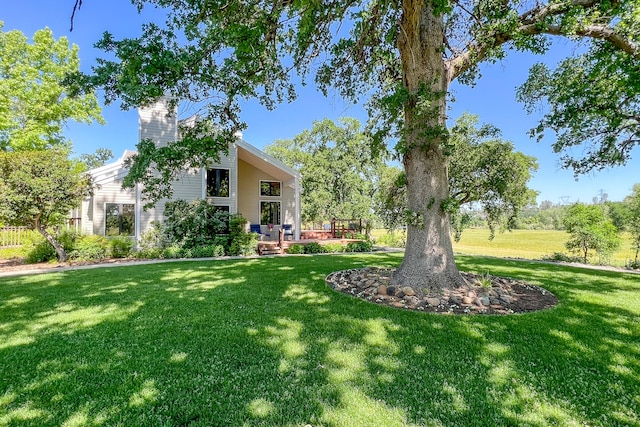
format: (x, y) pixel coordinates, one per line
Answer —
(218, 183)
(269, 213)
(270, 188)
(119, 219)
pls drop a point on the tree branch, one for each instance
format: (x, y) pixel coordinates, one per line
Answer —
(532, 22)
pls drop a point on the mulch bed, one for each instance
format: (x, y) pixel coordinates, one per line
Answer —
(481, 295)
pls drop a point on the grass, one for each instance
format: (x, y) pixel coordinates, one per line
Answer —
(525, 244)
(265, 342)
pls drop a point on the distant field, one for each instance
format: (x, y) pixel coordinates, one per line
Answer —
(527, 244)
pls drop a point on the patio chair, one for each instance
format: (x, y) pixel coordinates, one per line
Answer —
(255, 228)
(288, 231)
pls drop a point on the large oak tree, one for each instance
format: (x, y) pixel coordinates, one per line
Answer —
(401, 54)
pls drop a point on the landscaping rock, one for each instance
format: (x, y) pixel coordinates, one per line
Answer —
(505, 295)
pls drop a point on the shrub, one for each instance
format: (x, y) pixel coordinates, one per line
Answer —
(153, 240)
(362, 246)
(334, 247)
(561, 257)
(90, 248)
(121, 246)
(244, 244)
(296, 248)
(207, 251)
(41, 252)
(173, 251)
(313, 248)
(194, 224)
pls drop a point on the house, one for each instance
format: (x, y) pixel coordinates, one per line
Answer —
(246, 181)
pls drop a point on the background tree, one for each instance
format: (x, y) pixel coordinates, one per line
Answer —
(39, 188)
(590, 229)
(401, 55)
(97, 159)
(34, 105)
(339, 170)
(484, 170)
(633, 204)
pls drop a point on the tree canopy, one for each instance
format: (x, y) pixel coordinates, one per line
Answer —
(590, 230)
(39, 188)
(339, 170)
(401, 56)
(34, 104)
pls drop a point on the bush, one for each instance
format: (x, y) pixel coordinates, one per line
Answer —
(208, 251)
(121, 246)
(194, 224)
(362, 246)
(296, 248)
(90, 248)
(173, 251)
(153, 240)
(313, 248)
(242, 243)
(561, 257)
(41, 252)
(334, 247)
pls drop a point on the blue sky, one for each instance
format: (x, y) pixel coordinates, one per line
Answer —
(492, 98)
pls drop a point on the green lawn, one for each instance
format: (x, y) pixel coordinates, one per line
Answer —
(265, 342)
(529, 244)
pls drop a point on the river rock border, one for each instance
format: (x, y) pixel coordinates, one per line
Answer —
(482, 294)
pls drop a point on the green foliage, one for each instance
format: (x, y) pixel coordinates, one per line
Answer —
(242, 243)
(361, 246)
(334, 247)
(561, 257)
(34, 105)
(314, 248)
(633, 204)
(97, 159)
(339, 169)
(120, 246)
(90, 247)
(153, 240)
(296, 248)
(485, 171)
(39, 188)
(588, 111)
(41, 252)
(589, 229)
(392, 239)
(194, 224)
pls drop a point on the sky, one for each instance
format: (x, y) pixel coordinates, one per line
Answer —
(492, 99)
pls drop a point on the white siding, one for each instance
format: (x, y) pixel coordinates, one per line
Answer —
(157, 124)
(109, 193)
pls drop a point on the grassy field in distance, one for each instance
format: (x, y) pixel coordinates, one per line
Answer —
(527, 244)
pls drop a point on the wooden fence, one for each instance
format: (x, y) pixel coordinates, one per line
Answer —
(16, 236)
(12, 236)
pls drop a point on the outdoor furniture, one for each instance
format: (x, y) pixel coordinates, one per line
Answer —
(255, 228)
(288, 231)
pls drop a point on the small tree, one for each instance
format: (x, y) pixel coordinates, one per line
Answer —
(39, 188)
(590, 229)
(633, 204)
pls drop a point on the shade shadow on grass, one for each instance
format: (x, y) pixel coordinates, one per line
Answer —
(266, 342)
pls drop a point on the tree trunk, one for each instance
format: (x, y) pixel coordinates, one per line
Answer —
(62, 254)
(428, 263)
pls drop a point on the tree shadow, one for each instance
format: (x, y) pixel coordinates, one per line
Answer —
(266, 342)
